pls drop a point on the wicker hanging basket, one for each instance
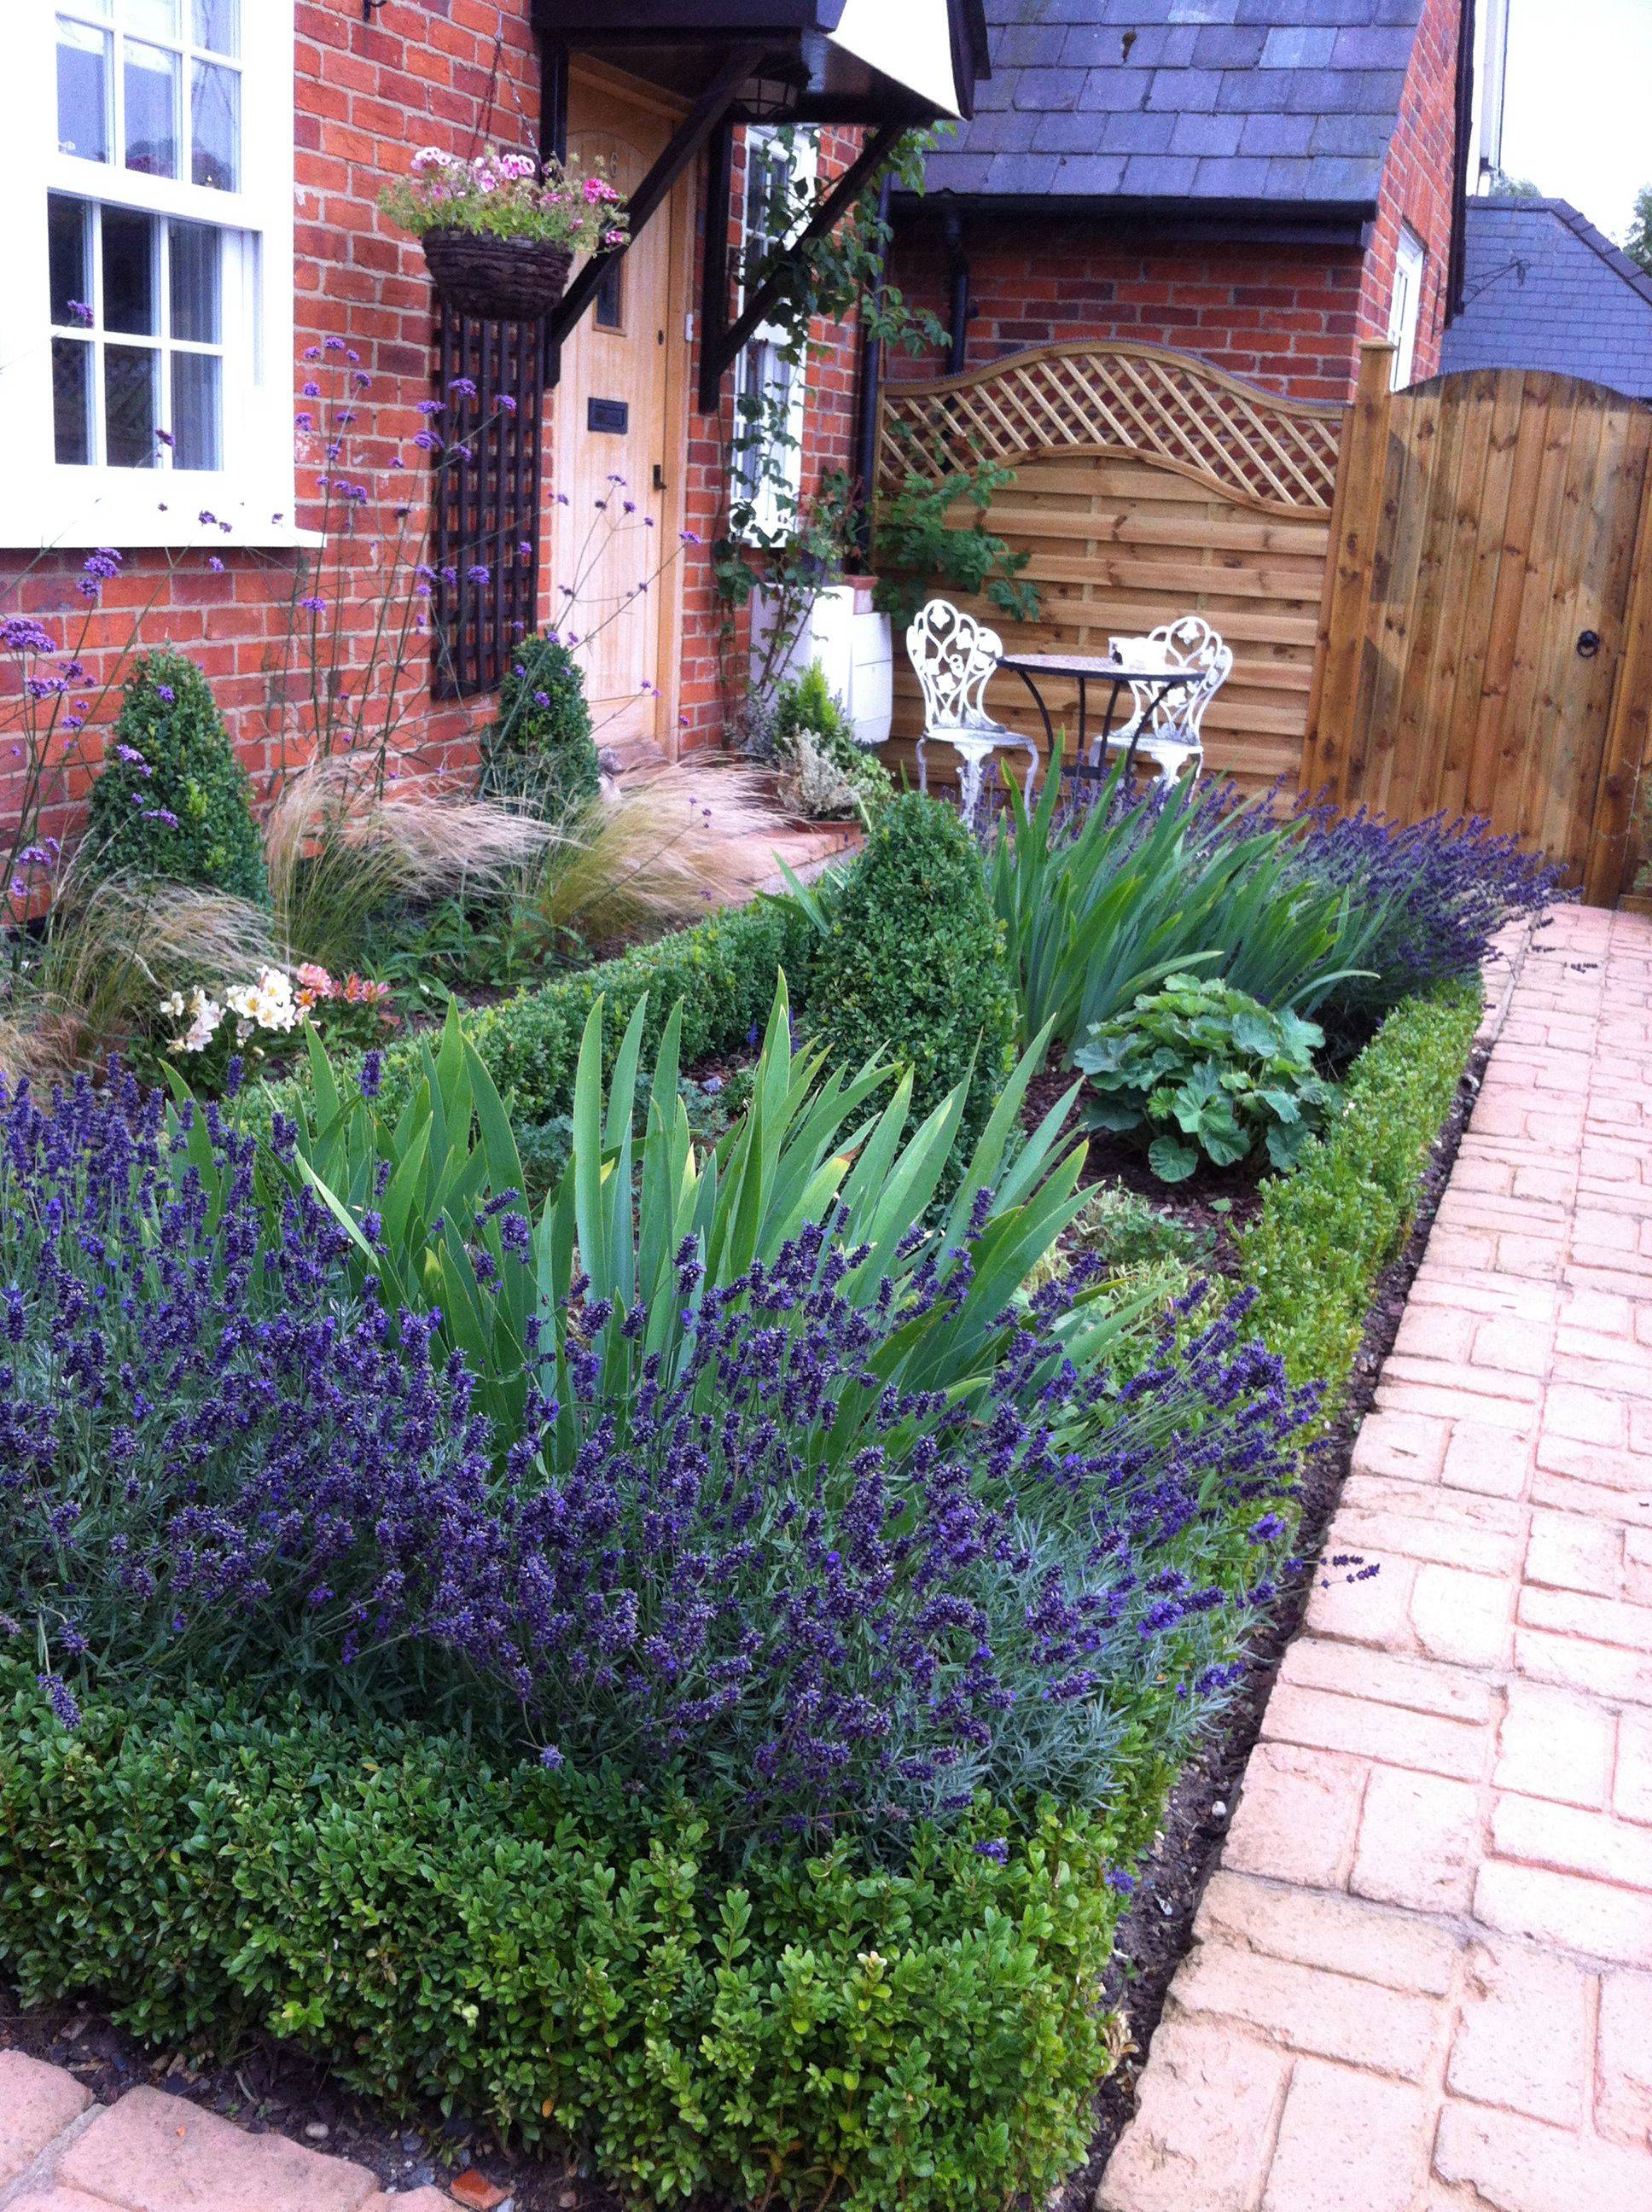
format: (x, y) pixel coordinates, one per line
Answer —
(504, 279)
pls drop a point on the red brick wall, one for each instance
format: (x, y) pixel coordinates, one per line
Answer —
(368, 95)
(1284, 315)
(1417, 184)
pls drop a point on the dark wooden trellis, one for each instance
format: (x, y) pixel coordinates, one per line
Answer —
(486, 498)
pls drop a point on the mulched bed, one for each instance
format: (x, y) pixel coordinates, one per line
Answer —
(270, 2088)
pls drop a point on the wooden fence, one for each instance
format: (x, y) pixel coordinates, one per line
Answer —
(1437, 598)
(1147, 484)
(1486, 645)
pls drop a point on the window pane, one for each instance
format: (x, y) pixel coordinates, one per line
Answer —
(71, 400)
(71, 278)
(194, 288)
(152, 83)
(218, 26)
(218, 126)
(128, 247)
(128, 410)
(83, 82)
(195, 410)
(151, 19)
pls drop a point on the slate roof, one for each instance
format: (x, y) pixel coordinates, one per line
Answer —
(1544, 289)
(1286, 101)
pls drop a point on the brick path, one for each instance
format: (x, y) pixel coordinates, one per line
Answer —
(155, 2153)
(1422, 1976)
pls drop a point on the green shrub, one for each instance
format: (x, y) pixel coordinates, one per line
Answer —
(1198, 1067)
(723, 970)
(570, 1963)
(1313, 1252)
(911, 964)
(171, 800)
(541, 746)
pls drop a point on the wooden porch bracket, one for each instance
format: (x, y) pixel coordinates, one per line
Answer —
(651, 195)
(721, 341)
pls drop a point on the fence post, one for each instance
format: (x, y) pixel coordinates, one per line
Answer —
(1626, 754)
(1345, 604)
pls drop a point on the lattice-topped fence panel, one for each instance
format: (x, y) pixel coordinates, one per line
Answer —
(1277, 455)
(1148, 484)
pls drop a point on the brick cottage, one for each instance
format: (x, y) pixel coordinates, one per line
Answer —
(1264, 183)
(220, 360)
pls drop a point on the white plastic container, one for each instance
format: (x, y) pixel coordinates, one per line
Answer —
(854, 646)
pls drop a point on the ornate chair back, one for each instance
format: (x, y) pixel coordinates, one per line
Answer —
(954, 655)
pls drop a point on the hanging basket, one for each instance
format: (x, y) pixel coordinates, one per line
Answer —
(504, 279)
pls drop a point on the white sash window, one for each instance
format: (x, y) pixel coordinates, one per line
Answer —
(146, 273)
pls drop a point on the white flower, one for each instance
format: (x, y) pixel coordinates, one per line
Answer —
(205, 1015)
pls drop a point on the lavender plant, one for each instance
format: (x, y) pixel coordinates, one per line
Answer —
(831, 1545)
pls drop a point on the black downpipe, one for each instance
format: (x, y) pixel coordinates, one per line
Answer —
(872, 378)
(958, 349)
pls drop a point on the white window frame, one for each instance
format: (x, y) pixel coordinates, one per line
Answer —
(759, 357)
(76, 506)
(1406, 306)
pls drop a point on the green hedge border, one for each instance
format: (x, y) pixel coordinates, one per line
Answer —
(1324, 1235)
(800, 2027)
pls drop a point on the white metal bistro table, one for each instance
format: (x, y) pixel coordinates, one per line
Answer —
(1085, 669)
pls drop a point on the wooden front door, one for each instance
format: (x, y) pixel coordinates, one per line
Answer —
(616, 463)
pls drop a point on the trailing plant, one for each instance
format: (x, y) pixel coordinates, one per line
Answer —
(503, 195)
(1197, 1067)
(172, 800)
(921, 547)
(570, 1962)
(1323, 1235)
(913, 964)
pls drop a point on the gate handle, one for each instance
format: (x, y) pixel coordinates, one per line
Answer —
(1588, 643)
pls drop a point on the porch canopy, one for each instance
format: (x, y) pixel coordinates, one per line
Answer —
(888, 66)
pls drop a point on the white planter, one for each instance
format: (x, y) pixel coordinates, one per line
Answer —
(853, 646)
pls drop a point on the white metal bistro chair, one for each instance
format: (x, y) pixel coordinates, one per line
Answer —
(1166, 726)
(954, 655)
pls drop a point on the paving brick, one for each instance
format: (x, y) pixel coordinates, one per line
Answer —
(1590, 1919)
(1605, 1670)
(1203, 2132)
(65, 2200)
(37, 2103)
(1418, 1684)
(1524, 2040)
(1462, 1617)
(1372, 1609)
(1565, 1553)
(1411, 1447)
(1420, 1841)
(152, 2153)
(1385, 1733)
(1573, 1839)
(1597, 1620)
(1297, 1816)
(1349, 2143)
(1486, 1536)
(1555, 1745)
(1519, 2166)
(1631, 1790)
(1582, 1411)
(1308, 2010)
(1340, 1934)
(1491, 1460)
(1623, 2095)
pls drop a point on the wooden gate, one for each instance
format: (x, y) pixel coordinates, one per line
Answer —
(1487, 639)
(1148, 484)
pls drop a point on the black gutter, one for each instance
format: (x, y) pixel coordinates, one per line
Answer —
(1269, 223)
(872, 378)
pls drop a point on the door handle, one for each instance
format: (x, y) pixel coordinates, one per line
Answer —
(659, 477)
(1588, 644)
